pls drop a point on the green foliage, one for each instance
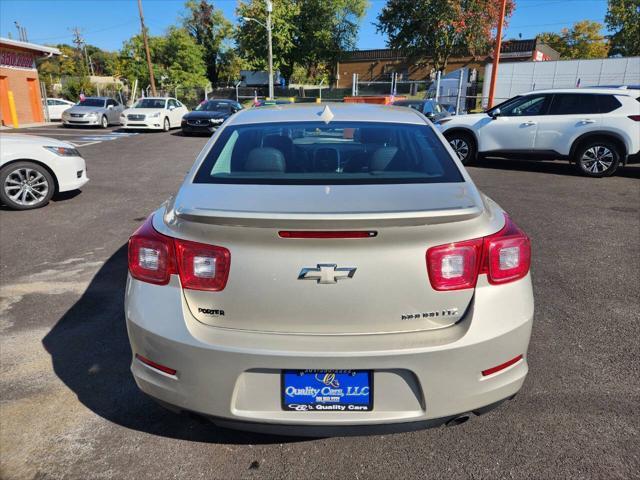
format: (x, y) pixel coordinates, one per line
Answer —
(176, 58)
(311, 34)
(251, 37)
(74, 86)
(582, 40)
(436, 29)
(211, 30)
(623, 18)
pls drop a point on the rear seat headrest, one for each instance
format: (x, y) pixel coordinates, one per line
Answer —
(265, 159)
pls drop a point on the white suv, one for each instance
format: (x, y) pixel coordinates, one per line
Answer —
(598, 129)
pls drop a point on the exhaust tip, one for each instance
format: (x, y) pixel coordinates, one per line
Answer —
(458, 420)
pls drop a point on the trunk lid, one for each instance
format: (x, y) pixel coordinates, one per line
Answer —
(384, 286)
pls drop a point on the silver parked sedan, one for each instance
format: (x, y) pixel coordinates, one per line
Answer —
(93, 111)
(329, 269)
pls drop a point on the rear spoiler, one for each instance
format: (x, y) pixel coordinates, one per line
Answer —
(325, 220)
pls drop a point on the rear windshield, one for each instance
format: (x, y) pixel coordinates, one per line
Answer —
(308, 153)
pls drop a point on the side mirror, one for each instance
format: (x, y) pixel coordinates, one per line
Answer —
(495, 113)
(171, 108)
(109, 107)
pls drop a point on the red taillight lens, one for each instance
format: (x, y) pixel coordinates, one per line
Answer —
(504, 257)
(507, 254)
(154, 257)
(201, 266)
(454, 266)
(151, 256)
(635, 118)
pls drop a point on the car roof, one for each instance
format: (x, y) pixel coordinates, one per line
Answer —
(98, 98)
(597, 90)
(156, 98)
(309, 112)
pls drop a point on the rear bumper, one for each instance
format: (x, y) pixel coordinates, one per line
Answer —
(420, 379)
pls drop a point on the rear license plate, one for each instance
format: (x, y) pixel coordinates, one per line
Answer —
(327, 390)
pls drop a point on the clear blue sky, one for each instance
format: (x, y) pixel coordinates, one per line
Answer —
(107, 23)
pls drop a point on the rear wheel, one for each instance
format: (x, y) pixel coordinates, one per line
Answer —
(25, 185)
(597, 158)
(463, 145)
(166, 125)
(104, 123)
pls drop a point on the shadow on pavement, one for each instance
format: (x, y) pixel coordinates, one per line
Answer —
(90, 353)
(552, 167)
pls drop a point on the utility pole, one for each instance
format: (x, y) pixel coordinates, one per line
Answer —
(146, 48)
(496, 54)
(80, 47)
(269, 9)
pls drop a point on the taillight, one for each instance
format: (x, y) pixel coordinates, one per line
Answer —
(507, 254)
(201, 266)
(454, 266)
(504, 257)
(154, 257)
(151, 255)
(635, 118)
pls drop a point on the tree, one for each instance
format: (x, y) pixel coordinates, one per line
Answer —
(210, 29)
(435, 29)
(582, 40)
(177, 60)
(325, 30)
(251, 37)
(308, 33)
(623, 18)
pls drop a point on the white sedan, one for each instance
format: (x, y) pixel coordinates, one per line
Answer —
(154, 113)
(55, 107)
(33, 168)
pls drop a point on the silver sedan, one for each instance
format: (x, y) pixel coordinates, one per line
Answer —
(329, 269)
(93, 111)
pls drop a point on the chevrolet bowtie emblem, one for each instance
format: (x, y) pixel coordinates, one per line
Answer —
(326, 273)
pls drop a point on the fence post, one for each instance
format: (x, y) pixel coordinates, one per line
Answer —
(462, 70)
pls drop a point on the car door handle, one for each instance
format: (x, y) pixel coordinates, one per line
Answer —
(529, 123)
(587, 121)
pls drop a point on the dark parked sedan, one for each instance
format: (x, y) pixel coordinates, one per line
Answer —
(208, 116)
(429, 108)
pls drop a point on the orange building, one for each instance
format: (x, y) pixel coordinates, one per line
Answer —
(19, 78)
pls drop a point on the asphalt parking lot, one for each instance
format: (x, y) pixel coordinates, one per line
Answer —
(70, 409)
(80, 137)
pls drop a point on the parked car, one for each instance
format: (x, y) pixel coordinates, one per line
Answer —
(55, 107)
(208, 116)
(597, 129)
(154, 113)
(324, 269)
(33, 169)
(429, 108)
(93, 111)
